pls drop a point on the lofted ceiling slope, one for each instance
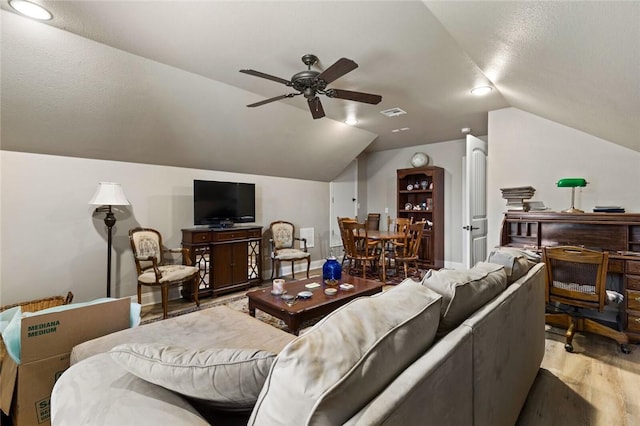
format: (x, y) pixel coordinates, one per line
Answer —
(157, 82)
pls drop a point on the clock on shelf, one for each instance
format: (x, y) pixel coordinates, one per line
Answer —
(419, 159)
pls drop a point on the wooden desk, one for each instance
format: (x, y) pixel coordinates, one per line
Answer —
(384, 237)
(616, 233)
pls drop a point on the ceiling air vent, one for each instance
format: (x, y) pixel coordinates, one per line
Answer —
(393, 112)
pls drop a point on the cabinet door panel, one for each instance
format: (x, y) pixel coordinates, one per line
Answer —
(239, 262)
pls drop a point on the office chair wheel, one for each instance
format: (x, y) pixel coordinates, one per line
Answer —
(625, 349)
(568, 347)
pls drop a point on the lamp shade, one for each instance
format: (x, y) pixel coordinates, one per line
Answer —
(571, 183)
(109, 194)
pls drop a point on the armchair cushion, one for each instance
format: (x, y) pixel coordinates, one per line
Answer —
(290, 254)
(224, 378)
(169, 273)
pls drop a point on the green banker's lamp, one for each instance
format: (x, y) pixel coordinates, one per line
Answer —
(572, 183)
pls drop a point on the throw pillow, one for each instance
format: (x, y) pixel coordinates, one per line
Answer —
(333, 370)
(225, 378)
(464, 291)
(516, 262)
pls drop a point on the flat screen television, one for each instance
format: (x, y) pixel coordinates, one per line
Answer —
(223, 203)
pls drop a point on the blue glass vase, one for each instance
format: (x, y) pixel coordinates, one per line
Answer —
(331, 271)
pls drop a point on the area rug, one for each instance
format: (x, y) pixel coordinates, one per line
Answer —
(239, 302)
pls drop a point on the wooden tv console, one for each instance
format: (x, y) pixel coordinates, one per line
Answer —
(230, 259)
(616, 233)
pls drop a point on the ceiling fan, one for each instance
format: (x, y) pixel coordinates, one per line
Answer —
(310, 83)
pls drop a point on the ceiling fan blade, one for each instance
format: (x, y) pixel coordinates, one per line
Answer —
(354, 96)
(277, 98)
(315, 106)
(337, 70)
(267, 76)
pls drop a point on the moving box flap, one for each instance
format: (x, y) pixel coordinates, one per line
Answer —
(8, 375)
(56, 333)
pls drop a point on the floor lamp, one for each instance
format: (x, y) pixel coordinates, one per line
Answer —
(108, 194)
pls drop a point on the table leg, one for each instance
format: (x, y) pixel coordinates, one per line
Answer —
(293, 324)
(252, 309)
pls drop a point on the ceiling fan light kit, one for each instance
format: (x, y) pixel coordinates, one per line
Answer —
(311, 83)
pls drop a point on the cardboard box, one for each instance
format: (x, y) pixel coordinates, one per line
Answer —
(46, 343)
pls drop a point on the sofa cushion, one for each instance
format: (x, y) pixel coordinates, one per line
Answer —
(333, 370)
(464, 291)
(516, 262)
(225, 378)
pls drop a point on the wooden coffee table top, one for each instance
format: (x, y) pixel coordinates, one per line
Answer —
(317, 305)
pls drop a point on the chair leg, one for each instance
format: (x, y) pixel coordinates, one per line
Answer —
(139, 294)
(196, 290)
(569, 335)
(293, 269)
(308, 266)
(165, 300)
(273, 267)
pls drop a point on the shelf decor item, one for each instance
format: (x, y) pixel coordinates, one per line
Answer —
(419, 159)
(572, 183)
(331, 271)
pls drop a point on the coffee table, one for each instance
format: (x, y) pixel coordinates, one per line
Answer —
(317, 305)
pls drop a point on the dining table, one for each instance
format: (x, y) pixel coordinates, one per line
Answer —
(383, 237)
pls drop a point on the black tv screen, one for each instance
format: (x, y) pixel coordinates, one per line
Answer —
(222, 203)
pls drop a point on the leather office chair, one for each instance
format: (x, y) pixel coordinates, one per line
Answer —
(576, 279)
(283, 248)
(156, 270)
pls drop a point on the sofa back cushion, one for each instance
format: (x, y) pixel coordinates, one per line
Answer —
(329, 373)
(516, 262)
(464, 291)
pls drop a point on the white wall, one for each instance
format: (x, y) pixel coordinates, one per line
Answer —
(52, 242)
(381, 187)
(525, 149)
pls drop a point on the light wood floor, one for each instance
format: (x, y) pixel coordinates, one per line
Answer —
(596, 385)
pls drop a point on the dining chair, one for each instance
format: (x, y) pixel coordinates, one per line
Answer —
(406, 251)
(156, 268)
(359, 250)
(576, 284)
(341, 229)
(373, 221)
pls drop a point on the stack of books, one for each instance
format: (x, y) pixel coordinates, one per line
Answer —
(515, 196)
(608, 209)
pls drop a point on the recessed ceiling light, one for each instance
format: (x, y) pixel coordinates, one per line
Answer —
(31, 10)
(351, 121)
(481, 90)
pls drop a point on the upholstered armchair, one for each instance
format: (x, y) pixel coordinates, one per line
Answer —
(156, 270)
(283, 248)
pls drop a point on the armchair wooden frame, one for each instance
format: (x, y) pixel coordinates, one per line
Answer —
(292, 255)
(154, 272)
(576, 278)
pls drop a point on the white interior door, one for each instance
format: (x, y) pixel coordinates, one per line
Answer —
(343, 191)
(474, 220)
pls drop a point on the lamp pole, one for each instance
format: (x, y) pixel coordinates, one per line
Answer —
(109, 220)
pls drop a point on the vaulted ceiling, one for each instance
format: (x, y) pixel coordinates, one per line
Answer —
(157, 81)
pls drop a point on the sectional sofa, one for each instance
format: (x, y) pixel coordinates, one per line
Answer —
(458, 348)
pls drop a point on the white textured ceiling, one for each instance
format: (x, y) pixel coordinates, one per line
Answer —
(576, 63)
